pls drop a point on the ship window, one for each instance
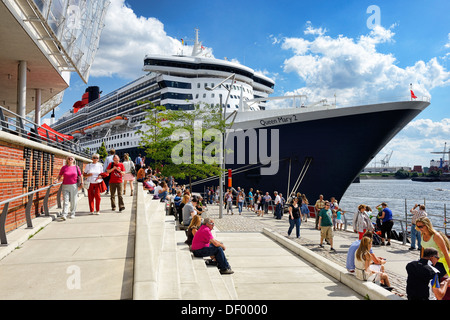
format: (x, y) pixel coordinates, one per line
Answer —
(204, 95)
(196, 96)
(212, 95)
(198, 85)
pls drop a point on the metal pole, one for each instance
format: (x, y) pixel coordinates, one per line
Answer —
(405, 233)
(445, 219)
(221, 168)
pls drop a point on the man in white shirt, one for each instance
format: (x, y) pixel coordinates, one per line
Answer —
(277, 206)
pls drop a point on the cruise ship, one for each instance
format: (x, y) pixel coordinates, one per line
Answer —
(313, 149)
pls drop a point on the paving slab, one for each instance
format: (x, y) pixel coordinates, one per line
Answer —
(89, 257)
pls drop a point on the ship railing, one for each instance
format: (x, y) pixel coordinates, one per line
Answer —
(12, 123)
(377, 100)
(29, 205)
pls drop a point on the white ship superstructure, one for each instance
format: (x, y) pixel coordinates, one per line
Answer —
(299, 136)
(176, 82)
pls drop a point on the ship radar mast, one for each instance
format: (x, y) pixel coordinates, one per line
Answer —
(197, 50)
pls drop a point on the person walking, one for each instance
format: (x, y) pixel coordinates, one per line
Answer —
(267, 200)
(294, 217)
(70, 173)
(229, 201)
(240, 199)
(324, 224)
(138, 162)
(277, 203)
(304, 207)
(91, 173)
(415, 234)
(116, 172)
(320, 204)
(108, 160)
(130, 171)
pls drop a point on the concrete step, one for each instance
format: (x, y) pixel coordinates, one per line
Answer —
(168, 273)
(199, 281)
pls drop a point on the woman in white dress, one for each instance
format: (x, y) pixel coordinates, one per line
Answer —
(128, 177)
(91, 174)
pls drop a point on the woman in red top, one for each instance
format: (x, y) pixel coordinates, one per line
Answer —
(116, 171)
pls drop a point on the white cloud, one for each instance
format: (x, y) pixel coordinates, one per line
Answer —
(416, 142)
(447, 45)
(314, 31)
(127, 38)
(355, 70)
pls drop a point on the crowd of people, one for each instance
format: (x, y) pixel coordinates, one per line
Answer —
(110, 177)
(428, 277)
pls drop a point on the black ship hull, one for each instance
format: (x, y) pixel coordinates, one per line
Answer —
(324, 156)
(322, 152)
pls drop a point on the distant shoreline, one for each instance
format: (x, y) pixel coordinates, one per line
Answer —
(392, 177)
(378, 177)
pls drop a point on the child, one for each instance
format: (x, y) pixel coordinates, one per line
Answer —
(339, 223)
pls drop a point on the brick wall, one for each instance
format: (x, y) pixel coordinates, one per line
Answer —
(25, 168)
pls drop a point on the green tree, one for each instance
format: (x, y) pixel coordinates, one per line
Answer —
(103, 153)
(184, 144)
(402, 174)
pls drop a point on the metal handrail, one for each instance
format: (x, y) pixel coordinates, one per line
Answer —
(405, 222)
(30, 195)
(13, 123)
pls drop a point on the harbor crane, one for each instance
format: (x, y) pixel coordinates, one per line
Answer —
(443, 155)
(385, 161)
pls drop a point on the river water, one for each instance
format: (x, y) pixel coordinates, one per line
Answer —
(394, 192)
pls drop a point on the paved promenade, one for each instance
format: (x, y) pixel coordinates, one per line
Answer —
(89, 257)
(397, 255)
(92, 257)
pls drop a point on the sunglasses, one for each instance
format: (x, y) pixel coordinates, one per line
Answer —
(421, 226)
(94, 157)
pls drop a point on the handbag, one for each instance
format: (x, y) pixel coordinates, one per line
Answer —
(78, 177)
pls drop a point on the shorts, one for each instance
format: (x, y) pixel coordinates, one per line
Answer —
(339, 221)
(326, 232)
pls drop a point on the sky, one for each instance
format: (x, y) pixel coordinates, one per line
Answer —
(361, 51)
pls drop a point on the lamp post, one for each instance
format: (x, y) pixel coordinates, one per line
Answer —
(222, 147)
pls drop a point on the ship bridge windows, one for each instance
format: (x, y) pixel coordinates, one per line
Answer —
(174, 84)
(185, 107)
(176, 96)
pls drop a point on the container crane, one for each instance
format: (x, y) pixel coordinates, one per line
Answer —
(443, 155)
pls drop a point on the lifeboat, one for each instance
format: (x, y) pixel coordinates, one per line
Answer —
(91, 128)
(118, 121)
(77, 133)
(107, 124)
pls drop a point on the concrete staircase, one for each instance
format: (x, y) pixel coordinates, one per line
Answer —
(165, 269)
